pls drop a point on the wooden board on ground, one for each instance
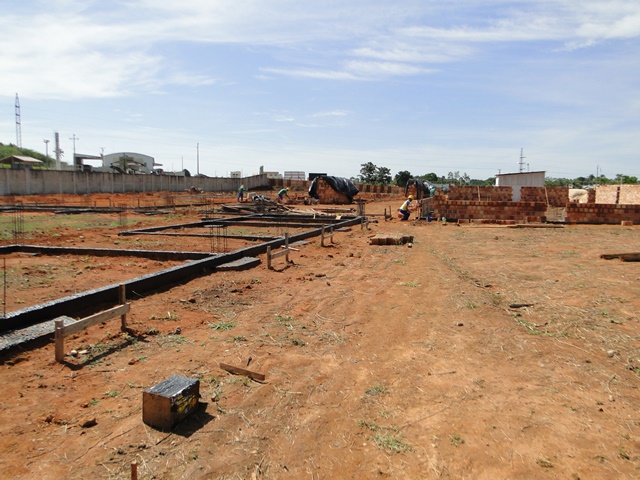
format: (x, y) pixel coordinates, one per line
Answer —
(260, 377)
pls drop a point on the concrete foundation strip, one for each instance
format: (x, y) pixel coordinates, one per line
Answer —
(92, 301)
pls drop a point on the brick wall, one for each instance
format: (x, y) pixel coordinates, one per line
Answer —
(630, 194)
(607, 194)
(482, 194)
(554, 196)
(618, 194)
(474, 210)
(602, 213)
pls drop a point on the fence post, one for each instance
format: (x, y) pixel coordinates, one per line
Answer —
(268, 258)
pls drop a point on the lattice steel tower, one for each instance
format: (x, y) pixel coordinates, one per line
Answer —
(18, 124)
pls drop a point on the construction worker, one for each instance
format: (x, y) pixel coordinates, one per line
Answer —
(283, 193)
(404, 209)
(241, 193)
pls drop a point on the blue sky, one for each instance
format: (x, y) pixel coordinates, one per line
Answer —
(325, 86)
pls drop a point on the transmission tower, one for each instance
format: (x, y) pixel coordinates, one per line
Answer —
(521, 163)
(18, 124)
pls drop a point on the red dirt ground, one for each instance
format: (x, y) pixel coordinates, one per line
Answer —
(380, 361)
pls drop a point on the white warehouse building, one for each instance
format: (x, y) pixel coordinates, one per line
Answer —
(129, 162)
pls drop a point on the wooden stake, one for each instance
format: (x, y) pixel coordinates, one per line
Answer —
(134, 470)
(122, 298)
(59, 339)
(4, 299)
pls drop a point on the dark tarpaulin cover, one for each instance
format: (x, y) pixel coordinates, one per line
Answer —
(421, 186)
(341, 185)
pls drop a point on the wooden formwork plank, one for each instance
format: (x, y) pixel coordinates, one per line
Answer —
(95, 319)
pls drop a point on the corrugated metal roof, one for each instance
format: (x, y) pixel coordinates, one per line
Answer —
(22, 159)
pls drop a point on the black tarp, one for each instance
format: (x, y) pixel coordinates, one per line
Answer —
(421, 186)
(339, 184)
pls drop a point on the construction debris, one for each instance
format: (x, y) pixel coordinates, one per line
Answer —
(170, 401)
(391, 239)
(625, 257)
(260, 204)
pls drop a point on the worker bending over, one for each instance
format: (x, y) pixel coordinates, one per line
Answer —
(283, 193)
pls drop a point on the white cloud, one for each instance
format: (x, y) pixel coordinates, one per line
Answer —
(312, 73)
(332, 113)
(408, 53)
(373, 70)
(283, 118)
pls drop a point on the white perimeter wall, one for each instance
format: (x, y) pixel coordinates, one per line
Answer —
(37, 182)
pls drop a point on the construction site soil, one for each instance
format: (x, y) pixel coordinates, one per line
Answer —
(477, 351)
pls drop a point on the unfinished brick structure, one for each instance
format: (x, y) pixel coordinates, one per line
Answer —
(618, 194)
(552, 196)
(608, 204)
(496, 211)
(326, 194)
(602, 213)
(413, 190)
(480, 194)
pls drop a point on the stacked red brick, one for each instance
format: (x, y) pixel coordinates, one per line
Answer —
(327, 195)
(553, 196)
(413, 190)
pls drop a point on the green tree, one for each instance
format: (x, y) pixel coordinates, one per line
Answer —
(402, 178)
(383, 176)
(557, 182)
(368, 172)
(626, 179)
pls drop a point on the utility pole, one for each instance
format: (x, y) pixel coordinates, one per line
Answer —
(58, 151)
(198, 159)
(74, 138)
(46, 148)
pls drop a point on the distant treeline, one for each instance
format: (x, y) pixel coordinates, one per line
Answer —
(372, 174)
